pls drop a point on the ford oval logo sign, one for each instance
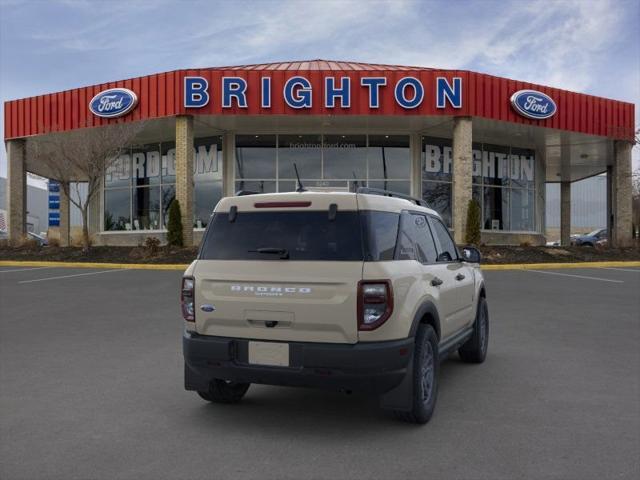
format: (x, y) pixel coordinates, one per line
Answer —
(114, 102)
(533, 104)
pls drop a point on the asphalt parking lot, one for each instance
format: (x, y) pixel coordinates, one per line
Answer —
(91, 388)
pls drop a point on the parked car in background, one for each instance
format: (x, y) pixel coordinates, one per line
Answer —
(590, 239)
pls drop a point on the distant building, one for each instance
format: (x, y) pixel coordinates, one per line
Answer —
(37, 206)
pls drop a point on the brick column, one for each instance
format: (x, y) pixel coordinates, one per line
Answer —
(228, 164)
(65, 219)
(184, 174)
(416, 165)
(621, 184)
(565, 213)
(462, 175)
(16, 191)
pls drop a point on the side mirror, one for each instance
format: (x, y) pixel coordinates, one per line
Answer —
(471, 255)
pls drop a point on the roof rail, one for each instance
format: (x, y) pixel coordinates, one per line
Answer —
(389, 193)
(242, 193)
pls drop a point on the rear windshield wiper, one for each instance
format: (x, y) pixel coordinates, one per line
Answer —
(283, 252)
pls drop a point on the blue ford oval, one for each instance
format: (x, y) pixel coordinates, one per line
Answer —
(533, 104)
(114, 102)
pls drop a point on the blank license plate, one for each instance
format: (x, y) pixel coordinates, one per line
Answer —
(269, 353)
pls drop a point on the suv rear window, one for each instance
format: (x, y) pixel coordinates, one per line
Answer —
(302, 235)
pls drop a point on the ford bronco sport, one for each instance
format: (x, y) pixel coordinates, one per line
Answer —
(362, 291)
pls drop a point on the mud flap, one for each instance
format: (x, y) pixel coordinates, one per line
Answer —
(401, 397)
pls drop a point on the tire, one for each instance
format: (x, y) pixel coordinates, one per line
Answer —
(474, 350)
(425, 377)
(221, 391)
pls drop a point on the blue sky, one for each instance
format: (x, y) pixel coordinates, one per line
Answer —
(582, 45)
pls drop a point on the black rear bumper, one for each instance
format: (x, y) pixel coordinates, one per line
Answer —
(371, 367)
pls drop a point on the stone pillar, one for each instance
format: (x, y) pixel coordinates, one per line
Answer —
(228, 164)
(621, 184)
(65, 218)
(462, 175)
(416, 165)
(16, 191)
(184, 174)
(565, 213)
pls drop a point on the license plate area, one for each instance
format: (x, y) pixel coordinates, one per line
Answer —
(269, 353)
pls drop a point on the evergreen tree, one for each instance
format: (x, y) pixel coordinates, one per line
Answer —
(174, 227)
(472, 235)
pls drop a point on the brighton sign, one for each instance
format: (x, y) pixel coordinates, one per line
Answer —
(408, 92)
(533, 104)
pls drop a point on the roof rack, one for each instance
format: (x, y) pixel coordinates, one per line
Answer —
(389, 193)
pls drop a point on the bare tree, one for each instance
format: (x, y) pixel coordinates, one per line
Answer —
(82, 156)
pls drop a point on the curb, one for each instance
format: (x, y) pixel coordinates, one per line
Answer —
(183, 266)
(559, 266)
(126, 266)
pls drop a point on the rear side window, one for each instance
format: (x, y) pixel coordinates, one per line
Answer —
(447, 251)
(415, 241)
(379, 232)
(303, 235)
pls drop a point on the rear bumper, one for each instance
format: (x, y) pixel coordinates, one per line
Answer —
(371, 367)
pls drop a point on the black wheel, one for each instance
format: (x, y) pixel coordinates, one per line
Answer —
(222, 391)
(474, 350)
(425, 377)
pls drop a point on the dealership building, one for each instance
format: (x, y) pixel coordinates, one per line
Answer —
(447, 136)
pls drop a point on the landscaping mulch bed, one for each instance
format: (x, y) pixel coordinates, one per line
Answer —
(512, 254)
(172, 255)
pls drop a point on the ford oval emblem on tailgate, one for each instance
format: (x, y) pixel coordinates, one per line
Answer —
(207, 308)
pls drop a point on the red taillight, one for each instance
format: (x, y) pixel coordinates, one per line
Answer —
(187, 299)
(375, 303)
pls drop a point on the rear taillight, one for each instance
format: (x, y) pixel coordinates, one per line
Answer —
(375, 303)
(187, 300)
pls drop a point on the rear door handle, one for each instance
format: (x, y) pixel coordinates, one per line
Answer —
(436, 282)
(459, 277)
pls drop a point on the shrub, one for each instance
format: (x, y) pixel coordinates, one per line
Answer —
(472, 235)
(174, 226)
(152, 246)
(54, 242)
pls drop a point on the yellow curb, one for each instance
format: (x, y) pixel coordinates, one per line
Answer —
(167, 266)
(130, 266)
(550, 266)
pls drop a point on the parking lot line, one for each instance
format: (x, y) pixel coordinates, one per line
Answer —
(23, 269)
(637, 270)
(577, 276)
(69, 276)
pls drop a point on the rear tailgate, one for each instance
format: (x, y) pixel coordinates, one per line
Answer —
(278, 300)
(281, 267)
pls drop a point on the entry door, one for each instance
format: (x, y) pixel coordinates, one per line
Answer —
(458, 287)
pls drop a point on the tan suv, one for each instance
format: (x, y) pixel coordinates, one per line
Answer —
(362, 291)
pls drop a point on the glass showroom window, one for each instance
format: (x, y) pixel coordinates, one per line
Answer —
(389, 163)
(117, 194)
(503, 183)
(140, 185)
(505, 175)
(329, 161)
(256, 163)
(207, 177)
(437, 175)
